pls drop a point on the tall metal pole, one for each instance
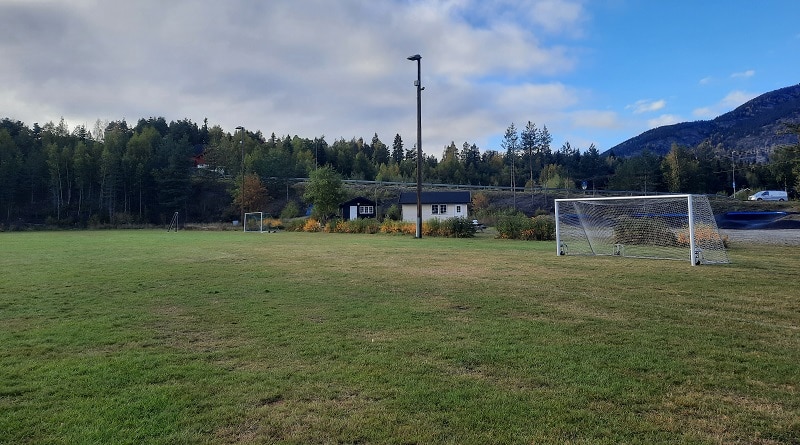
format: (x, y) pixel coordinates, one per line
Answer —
(418, 83)
(241, 194)
(733, 172)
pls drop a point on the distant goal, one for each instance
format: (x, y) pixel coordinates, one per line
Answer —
(678, 227)
(254, 222)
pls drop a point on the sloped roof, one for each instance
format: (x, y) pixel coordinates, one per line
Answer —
(359, 201)
(436, 198)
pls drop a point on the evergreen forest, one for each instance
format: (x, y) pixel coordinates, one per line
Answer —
(116, 173)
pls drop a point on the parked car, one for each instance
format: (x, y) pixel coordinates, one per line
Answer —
(768, 195)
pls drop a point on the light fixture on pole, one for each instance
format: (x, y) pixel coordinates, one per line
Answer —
(241, 192)
(419, 86)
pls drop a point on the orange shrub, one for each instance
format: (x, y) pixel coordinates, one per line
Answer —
(312, 225)
(702, 233)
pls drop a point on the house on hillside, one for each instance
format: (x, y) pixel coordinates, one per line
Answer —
(358, 208)
(435, 205)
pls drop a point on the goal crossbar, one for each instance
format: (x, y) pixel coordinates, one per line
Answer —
(680, 227)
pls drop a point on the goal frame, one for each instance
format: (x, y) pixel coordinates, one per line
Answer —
(260, 222)
(695, 252)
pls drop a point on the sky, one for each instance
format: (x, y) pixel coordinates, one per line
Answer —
(592, 72)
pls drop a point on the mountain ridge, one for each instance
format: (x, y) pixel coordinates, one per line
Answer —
(755, 127)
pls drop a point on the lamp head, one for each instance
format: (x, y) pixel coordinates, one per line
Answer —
(415, 57)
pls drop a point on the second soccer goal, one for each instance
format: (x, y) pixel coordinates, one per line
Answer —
(680, 227)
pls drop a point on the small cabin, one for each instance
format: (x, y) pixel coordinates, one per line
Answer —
(357, 208)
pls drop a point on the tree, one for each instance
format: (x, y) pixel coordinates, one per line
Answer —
(380, 152)
(639, 173)
(591, 166)
(680, 170)
(511, 145)
(325, 191)
(363, 168)
(450, 170)
(397, 149)
(785, 164)
(137, 157)
(10, 160)
(255, 194)
(173, 179)
(530, 140)
(542, 148)
(555, 177)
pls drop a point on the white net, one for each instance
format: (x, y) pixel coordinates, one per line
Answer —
(644, 227)
(254, 222)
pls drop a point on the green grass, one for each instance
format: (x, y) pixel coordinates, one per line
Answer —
(224, 337)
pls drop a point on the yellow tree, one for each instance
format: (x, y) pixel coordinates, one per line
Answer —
(255, 194)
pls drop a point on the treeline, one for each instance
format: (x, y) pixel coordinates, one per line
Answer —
(116, 173)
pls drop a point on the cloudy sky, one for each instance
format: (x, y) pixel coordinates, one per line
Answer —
(592, 71)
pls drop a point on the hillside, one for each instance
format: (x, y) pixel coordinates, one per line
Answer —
(755, 127)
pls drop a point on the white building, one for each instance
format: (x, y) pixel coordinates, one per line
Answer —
(435, 205)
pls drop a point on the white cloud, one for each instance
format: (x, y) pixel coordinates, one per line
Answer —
(553, 96)
(736, 98)
(706, 80)
(704, 113)
(601, 119)
(664, 119)
(726, 104)
(308, 67)
(646, 106)
(743, 74)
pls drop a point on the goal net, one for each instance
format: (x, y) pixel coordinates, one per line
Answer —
(254, 222)
(679, 227)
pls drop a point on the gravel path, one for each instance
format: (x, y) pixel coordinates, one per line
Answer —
(782, 237)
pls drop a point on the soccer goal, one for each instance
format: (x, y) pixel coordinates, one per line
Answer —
(678, 227)
(254, 222)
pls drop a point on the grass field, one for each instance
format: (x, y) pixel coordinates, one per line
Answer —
(223, 337)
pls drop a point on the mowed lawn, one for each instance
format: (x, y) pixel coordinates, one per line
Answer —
(224, 337)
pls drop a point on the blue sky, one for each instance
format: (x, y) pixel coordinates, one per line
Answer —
(593, 72)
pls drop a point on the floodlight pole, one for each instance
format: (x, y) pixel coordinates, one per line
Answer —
(241, 194)
(733, 172)
(419, 86)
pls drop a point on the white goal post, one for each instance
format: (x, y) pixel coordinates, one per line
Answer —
(254, 222)
(680, 227)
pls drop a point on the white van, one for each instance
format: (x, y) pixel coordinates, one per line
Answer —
(768, 195)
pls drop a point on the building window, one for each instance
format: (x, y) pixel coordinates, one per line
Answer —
(366, 210)
(435, 209)
(458, 209)
(443, 208)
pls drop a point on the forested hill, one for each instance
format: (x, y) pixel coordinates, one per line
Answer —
(756, 125)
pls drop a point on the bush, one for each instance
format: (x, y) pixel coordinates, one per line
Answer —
(291, 210)
(702, 233)
(394, 213)
(362, 225)
(458, 228)
(644, 231)
(543, 229)
(398, 227)
(510, 226)
(451, 228)
(312, 225)
(519, 226)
